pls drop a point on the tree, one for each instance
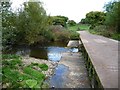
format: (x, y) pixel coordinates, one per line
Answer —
(33, 24)
(95, 18)
(59, 20)
(112, 18)
(9, 31)
(71, 22)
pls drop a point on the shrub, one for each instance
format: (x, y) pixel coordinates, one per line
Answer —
(74, 35)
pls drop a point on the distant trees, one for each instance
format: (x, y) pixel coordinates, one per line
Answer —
(84, 21)
(109, 18)
(71, 22)
(59, 20)
(94, 18)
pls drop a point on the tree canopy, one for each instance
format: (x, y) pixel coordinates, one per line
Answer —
(59, 20)
(28, 26)
(95, 18)
(112, 18)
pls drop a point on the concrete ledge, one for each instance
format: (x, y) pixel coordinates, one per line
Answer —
(73, 43)
(101, 55)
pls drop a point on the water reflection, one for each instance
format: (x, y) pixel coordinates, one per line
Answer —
(39, 53)
(60, 77)
(49, 51)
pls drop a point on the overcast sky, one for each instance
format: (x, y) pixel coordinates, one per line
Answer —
(73, 9)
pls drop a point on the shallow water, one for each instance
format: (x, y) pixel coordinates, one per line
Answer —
(53, 52)
(59, 78)
(50, 51)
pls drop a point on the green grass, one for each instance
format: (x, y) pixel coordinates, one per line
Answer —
(79, 27)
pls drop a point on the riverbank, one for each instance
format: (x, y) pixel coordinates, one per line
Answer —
(51, 65)
(25, 72)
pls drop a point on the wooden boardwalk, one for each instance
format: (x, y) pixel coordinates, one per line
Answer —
(103, 53)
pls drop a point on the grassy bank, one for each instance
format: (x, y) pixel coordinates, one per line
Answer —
(15, 74)
(79, 27)
(106, 32)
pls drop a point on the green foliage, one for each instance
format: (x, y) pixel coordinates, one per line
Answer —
(28, 26)
(59, 20)
(79, 27)
(74, 35)
(35, 24)
(112, 18)
(104, 31)
(11, 61)
(116, 36)
(95, 18)
(31, 83)
(44, 67)
(71, 23)
(14, 73)
(84, 21)
(8, 28)
(10, 56)
(34, 73)
(60, 33)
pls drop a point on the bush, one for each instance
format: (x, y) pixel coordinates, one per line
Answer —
(105, 31)
(74, 35)
(60, 33)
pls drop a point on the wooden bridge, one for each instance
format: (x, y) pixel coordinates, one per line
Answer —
(101, 55)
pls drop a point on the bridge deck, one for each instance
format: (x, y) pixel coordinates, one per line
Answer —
(103, 53)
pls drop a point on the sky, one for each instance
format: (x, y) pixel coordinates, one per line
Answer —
(73, 9)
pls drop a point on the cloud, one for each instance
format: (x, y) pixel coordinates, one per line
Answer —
(74, 9)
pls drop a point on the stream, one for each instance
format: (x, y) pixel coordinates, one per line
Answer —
(51, 51)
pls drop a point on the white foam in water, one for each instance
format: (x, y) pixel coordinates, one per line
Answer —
(54, 56)
(75, 50)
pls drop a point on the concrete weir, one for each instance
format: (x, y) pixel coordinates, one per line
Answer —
(77, 76)
(101, 57)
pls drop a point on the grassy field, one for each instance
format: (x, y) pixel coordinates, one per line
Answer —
(99, 30)
(79, 27)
